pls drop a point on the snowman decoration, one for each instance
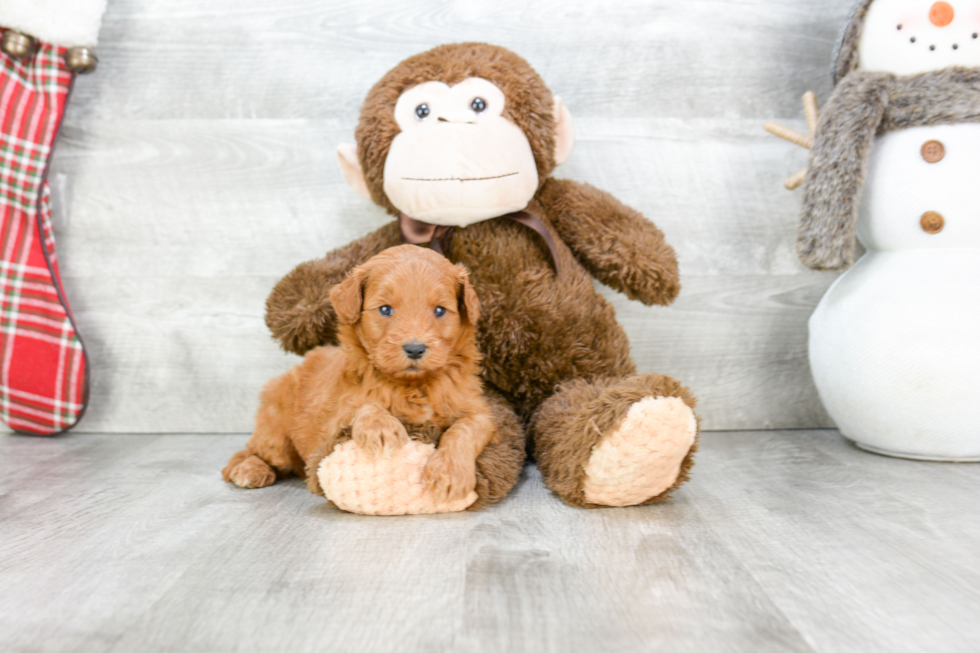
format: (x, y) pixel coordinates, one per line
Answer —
(895, 163)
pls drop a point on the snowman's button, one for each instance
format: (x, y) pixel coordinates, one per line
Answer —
(933, 151)
(932, 222)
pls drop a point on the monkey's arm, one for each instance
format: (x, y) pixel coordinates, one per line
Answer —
(616, 244)
(299, 312)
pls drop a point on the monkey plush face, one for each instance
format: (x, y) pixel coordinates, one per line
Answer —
(456, 135)
(458, 160)
(905, 37)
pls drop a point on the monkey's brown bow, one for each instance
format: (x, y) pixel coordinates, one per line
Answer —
(440, 237)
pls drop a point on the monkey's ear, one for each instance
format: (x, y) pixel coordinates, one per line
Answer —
(348, 296)
(350, 167)
(469, 303)
(564, 132)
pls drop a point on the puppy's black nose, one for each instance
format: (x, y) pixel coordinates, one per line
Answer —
(414, 350)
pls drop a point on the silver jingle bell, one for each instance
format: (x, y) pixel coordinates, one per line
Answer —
(81, 61)
(17, 45)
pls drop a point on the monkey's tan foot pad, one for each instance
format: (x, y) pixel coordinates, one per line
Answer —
(641, 458)
(390, 484)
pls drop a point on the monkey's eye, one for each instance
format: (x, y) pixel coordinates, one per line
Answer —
(422, 111)
(478, 105)
(440, 311)
(386, 310)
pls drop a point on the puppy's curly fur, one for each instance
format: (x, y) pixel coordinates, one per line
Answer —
(408, 357)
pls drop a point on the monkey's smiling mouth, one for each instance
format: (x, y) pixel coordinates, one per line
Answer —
(509, 174)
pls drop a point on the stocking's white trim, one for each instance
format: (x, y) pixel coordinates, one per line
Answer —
(59, 22)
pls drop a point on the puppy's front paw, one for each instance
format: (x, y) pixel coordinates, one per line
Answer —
(377, 433)
(448, 476)
(252, 472)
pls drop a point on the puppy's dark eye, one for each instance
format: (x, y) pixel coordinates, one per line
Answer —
(386, 310)
(478, 105)
(440, 311)
(422, 111)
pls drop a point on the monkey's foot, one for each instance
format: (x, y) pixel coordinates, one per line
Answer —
(616, 441)
(640, 459)
(391, 484)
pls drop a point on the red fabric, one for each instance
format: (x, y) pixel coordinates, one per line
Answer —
(43, 378)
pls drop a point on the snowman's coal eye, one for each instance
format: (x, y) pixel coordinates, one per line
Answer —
(956, 47)
(478, 105)
(932, 47)
(912, 39)
(422, 111)
(974, 35)
(899, 27)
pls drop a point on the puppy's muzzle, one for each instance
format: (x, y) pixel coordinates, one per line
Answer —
(414, 350)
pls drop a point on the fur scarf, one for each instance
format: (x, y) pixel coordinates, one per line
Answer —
(864, 105)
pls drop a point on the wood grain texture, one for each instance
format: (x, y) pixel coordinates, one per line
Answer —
(309, 59)
(783, 541)
(197, 166)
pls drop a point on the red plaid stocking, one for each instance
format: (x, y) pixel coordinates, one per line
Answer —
(43, 368)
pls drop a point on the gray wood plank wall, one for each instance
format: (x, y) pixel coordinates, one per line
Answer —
(197, 166)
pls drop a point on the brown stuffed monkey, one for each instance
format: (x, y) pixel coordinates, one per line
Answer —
(459, 143)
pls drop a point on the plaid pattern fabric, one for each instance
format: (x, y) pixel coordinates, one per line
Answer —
(43, 377)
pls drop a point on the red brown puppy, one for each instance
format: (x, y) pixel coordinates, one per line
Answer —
(407, 356)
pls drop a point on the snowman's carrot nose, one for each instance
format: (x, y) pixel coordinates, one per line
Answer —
(941, 14)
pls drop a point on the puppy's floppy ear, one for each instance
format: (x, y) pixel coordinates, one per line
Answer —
(469, 303)
(348, 296)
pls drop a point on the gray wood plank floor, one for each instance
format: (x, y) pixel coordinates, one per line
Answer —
(784, 541)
